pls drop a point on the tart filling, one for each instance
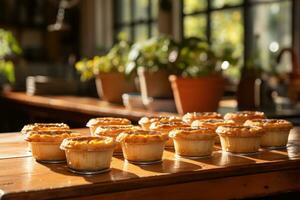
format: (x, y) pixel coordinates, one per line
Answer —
(86, 143)
(240, 131)
(102, 121)
(145, 122)
(49, 136)
(190, 117)
(212, 123)
(142, 137)
(44, 127)
(193, 134)
(241, 117)
(106, 121)
(271, 124)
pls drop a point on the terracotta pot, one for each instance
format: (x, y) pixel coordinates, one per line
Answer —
(111, 86)
(197, 94)
(154, 84)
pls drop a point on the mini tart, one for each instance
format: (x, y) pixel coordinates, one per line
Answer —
(190, 117)
(45, 127)
(113, 131)
(241, 117)
(212, 124)
(142, 146)
(276, 131)
(166, 127)
(145, 122)
(88, 154)
(240, 139)
(45, 144)
(106, 121)
(193, 142)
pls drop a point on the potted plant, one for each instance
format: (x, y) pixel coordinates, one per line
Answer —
(150, 60)
(9, 47)
(197, 84)
(108, 71)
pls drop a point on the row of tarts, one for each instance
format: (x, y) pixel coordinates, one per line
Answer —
(192, 135)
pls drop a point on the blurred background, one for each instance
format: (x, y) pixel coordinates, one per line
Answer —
(48, 37)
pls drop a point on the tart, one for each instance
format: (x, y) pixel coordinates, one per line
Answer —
(106, 121)
(241, 117)
(44, 127)
(193, 142)
(145, 122)
(88, 154)
(166, 127)
(239, 138)
(141, 146)
(45, 144)
(113, 131)
(276, 131)
(212, 124)
(190, 117)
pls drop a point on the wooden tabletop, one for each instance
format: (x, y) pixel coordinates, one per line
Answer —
(223, 175)
(83, 105)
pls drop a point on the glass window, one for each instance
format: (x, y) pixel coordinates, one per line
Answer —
(273, 30)
(191, 6)
(137, 18)
(221, 22)
(224, 3)
(195, 26)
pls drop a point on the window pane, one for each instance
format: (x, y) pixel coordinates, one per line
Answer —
(140, 32)
(272, 26)
(222, 3)
(123, 10)
(154, 9)
(141, 9)
(227, 32)
(191, 6)
(195, 26)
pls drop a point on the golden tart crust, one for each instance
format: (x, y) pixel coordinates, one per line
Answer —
(44, 127)
(190, 117)
(142, 137)
(104, 121)
(87, 143)
(193, 134)
(167, 126)
(240, 131)
(270, 124)
(243, 116)
(212, 123)
(49, 136)
(114, 130)
(145, 122)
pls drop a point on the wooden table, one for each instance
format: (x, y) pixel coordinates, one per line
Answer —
(222, 176)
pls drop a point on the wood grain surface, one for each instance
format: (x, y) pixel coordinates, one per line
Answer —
(233, 176)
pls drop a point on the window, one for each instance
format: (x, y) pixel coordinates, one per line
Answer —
(265, 24)
(136, 18)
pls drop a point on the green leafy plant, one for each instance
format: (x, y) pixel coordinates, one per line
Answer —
(8, 48)
(114, 61)
(193, 57)
(151, 54)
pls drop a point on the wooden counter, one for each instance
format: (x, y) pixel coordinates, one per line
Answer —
(222, 176)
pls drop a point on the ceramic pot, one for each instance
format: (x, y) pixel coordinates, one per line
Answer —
(201, 94)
